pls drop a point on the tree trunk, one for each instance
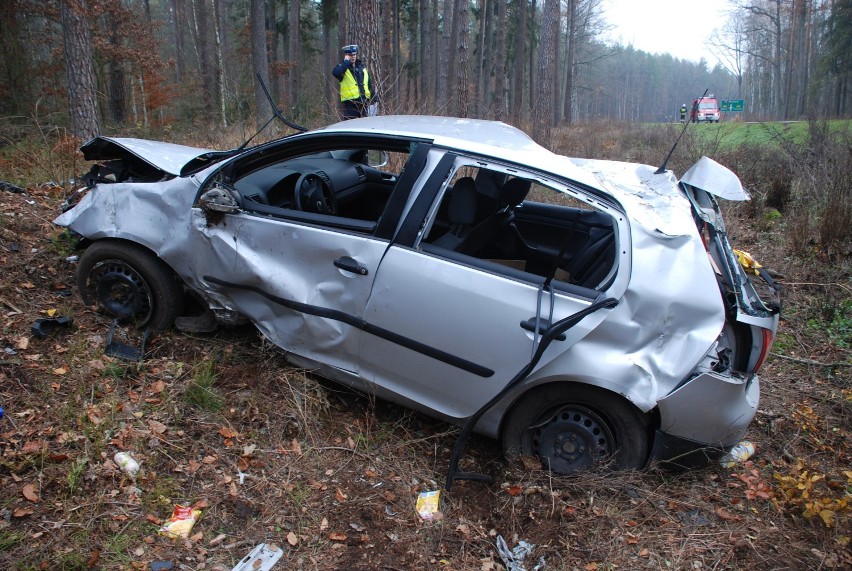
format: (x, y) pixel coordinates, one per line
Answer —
(364, 25)
(426, 75)
(520, 62)
(543, 108)
(294, 75)
(532, 67)
(569, 62)
(461, 80)
(180, 25)
(257, 21)
(329, 57)
(498, 106)
(82, 101)
(481, 76)
(443, 85)
(117, 91)
(220, 60)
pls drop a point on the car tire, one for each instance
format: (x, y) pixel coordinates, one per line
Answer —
(130, 283)
(571, 427)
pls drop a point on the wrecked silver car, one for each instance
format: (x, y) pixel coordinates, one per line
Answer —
(432, 260)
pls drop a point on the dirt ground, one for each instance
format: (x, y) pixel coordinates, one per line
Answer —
(268, 453)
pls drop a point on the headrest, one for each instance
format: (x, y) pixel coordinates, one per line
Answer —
(514, 191)
(462, 208)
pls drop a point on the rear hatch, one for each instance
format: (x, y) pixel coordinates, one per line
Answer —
(753, 306)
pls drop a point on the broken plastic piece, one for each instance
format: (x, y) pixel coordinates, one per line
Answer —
(162, 565)
(41, 328)
(261, 558)
(181, 522)
(427, 504)
(122, 351)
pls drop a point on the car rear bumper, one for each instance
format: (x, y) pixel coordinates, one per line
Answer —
(704, 417)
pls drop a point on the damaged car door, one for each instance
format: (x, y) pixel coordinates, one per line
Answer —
(290, 246)
(470, 310)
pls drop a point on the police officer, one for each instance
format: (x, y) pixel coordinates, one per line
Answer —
(357, 94)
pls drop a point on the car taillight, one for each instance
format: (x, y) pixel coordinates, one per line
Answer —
(764, 351)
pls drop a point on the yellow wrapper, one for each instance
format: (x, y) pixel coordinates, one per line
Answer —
(427, 504)
(181, 522)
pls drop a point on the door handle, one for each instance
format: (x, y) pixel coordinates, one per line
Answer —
(543, 324)
(349, 265)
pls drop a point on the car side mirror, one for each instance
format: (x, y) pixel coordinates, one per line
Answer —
(219, 199)
(376, 159)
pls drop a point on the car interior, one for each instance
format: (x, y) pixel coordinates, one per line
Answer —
(524, 225)
(509, 223)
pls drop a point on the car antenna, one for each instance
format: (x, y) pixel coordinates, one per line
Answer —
(276, 113)
(663, 166)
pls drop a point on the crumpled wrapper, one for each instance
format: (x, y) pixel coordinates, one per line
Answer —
(181, 522)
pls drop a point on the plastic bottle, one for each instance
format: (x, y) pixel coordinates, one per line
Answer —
(737, 455)
(127, 463)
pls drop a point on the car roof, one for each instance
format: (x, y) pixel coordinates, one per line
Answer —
(489, 138)
(651, 199)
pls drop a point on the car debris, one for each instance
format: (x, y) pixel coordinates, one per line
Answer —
(43, 327)
(262, 558)
(581, 311)
(113, 348)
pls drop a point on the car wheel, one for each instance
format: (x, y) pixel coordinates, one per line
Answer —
(573, 427)
(128, 282)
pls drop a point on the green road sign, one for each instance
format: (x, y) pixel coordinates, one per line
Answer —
(732, 105)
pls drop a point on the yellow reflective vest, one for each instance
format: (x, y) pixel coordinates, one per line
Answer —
(349, 87)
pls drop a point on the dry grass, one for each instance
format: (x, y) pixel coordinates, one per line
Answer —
(274, 454)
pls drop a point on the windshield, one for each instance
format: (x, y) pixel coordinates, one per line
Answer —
(704, 105)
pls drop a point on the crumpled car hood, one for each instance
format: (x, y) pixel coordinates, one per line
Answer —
(167, 157)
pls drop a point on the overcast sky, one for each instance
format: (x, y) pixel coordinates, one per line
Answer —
(678, 27)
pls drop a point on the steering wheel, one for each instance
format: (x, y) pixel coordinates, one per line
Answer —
(314, 195)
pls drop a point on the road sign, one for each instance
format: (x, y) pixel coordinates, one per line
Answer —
(732, 105)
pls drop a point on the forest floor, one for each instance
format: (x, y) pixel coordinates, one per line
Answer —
(269, 453)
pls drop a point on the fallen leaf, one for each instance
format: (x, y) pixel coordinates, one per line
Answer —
(22, 343)
(292, 539)
(60, 371)
(201, 504)
(295, 447)
(30, 493)
(340, 495)
(154, 519)
(335, 536)
(726, 515)
(33, 446)
(93, 413)
(324, 524)
(644, 552)
(93, 559)
(632, 539)
(514, 490)
(157, 427)
(228, 432)
(157, 387)
(197, 536)
(591, 566)
(21, 512)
